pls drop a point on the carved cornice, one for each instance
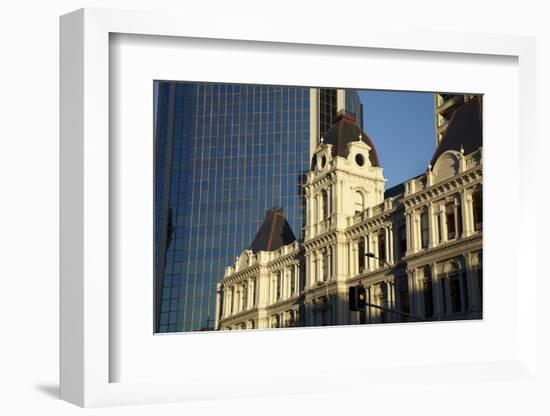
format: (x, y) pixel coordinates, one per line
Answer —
(445, 246)
(371, 224)
(444, 189)
(320, 241)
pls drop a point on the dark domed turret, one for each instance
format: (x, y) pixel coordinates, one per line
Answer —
(343, 131)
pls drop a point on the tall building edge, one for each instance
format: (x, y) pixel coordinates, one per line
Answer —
(235, 147)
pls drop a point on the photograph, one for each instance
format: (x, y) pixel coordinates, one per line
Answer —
(290, 206)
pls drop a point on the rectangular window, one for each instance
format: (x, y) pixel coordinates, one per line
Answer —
(361, 255)
(292, 282)
(477, 207)
(466, 290)
(480, 285)
(325, 266)
(404, 301)
(279, 285)
(454, 283)
(381, 248)
(325, 204)
(439, 230)
(402, 240)
(425, 228)
(428, 299)
(444, 296)
(451, 224)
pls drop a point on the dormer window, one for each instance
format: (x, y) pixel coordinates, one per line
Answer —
(359, 159)
(323, 161)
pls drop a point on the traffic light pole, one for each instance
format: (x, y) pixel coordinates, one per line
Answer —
(408, 315)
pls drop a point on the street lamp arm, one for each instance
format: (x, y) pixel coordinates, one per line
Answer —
(371, 255)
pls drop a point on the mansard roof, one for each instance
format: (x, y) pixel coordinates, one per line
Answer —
(274, 232)
(464, 130)
(394, 191)
(343, 131)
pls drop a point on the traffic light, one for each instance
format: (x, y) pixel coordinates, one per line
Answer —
(357, 298)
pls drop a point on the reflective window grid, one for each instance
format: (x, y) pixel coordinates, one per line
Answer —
(224, 154)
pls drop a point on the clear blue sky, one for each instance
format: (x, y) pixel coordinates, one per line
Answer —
(401, 125)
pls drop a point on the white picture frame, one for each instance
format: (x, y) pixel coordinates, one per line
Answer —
(87, 356)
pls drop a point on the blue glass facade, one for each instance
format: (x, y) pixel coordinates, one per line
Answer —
(225, 153)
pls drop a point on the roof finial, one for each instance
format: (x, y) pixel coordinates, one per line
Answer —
(360, 136)
(322, 139)
(461, 149)
(429, 167)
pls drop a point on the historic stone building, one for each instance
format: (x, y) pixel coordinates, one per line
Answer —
(416, 247)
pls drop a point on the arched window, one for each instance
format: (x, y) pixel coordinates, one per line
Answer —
(358, 202)
(291, 318)
(458, 289)
(477, 207)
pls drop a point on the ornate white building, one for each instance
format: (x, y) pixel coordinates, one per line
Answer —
(423, 237)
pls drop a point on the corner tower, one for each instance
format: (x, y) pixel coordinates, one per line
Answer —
(345, 178)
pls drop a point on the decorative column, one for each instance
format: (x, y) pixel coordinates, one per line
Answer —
(350, 258)
(473, 284)
(409, 232)
(252, 292)
(374, 249)
(467, 213)
(353, 262)
(387, 244)
(320, 217)
(296, 279)
(367, 243)
(443, 223)
(420, 293)
(411, 284)
(309, 214)
(417, 231)
(433, 225)
(391, 245)
(319, 257)
(310, 269)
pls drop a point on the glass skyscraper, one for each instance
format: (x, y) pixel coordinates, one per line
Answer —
(224, 154)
